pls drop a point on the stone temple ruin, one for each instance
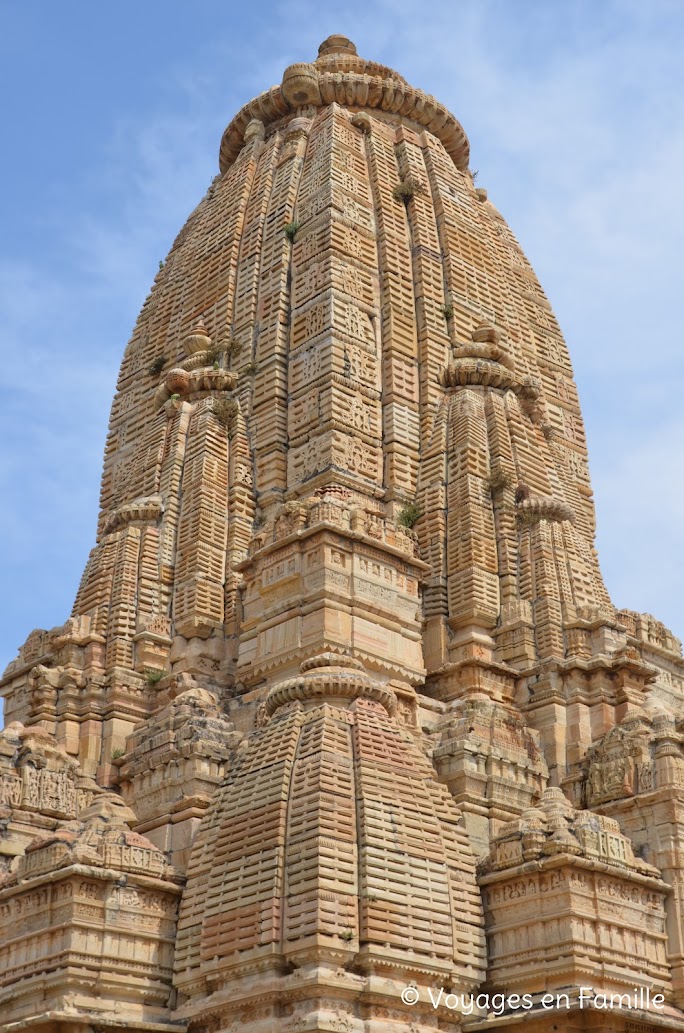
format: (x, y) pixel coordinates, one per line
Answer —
(343, 713)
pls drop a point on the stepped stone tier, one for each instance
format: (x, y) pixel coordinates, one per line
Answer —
(343, 706)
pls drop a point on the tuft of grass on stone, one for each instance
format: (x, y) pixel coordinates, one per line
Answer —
(215, 351)
(157, 366)
(233, 347)
(409, 514)
(225, 411)
(407, 188)
(290, 230)
(498, 481)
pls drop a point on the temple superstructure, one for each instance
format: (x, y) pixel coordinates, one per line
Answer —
(343, 706)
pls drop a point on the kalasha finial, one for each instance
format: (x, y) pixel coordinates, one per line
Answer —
(487, 332)
(198, 339)
(336, 44)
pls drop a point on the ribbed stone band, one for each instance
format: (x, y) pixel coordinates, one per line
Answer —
(337, 676)
(554, 510)
(305, 84)
(468, 371)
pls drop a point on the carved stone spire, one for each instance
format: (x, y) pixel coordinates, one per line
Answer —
(343, 625)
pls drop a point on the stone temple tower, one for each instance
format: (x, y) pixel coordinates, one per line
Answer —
(343, 708)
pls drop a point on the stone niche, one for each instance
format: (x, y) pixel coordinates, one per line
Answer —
(88, 923)
(567, 905)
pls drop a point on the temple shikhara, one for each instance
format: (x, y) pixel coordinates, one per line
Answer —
(343, 707)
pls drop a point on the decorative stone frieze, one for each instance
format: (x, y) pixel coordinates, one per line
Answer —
(567, 904)
(87, 925)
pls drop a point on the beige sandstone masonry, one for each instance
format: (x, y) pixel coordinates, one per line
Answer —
(342, 671)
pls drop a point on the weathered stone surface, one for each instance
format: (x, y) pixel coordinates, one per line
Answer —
(87, 924)
(343, 631)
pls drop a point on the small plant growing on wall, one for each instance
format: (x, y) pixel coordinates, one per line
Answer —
(214, 352)
(225, 411)
(448, 311)
(408, 188)
(117, 753)
(522, 492)
(153, 675)
(157, 366)
(231, 347)
(409, 514)
(291, 230)
(498, 481)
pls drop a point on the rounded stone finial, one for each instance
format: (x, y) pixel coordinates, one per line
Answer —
(487, 332)
(336, 44)
(177, 380)
(198, 339)
(300, 85)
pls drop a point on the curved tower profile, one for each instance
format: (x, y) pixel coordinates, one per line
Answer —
(343, 706)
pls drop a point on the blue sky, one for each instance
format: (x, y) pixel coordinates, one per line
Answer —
(113, 115)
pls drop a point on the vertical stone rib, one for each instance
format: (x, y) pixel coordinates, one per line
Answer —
(200, 563)
(500, 485)
(268, 423)
(244, 311)
(334, 429)
(321, 877)
(169, 487)
(400, 387)
(121, 623)
(472, 569)
(428, 277)
(432, 499)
